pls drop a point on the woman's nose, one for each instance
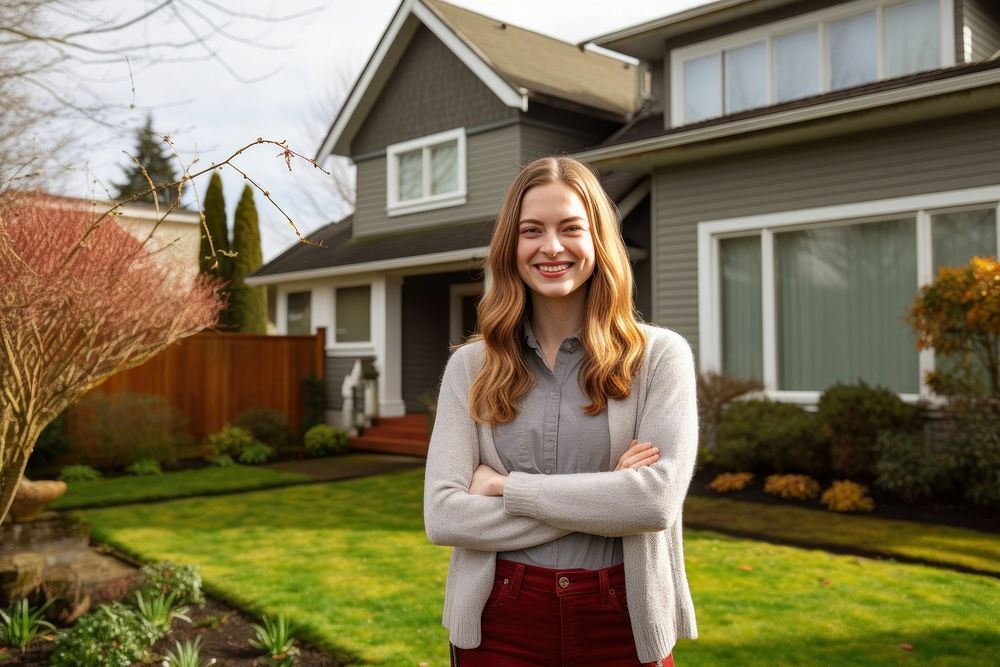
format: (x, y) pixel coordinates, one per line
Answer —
(551, 247)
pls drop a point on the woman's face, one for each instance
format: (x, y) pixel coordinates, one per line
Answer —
(555, 249)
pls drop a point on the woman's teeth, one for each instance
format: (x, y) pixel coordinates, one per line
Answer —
(553, 269)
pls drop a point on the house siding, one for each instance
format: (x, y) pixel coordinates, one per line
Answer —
(492, 160)
(426, 308)
(922, 158)
(983, 19)
(539, 140)
(430, 91)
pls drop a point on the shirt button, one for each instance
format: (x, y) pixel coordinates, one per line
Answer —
(563, 582)
(548, 471)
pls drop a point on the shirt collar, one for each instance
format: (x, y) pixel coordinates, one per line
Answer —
(571, 344)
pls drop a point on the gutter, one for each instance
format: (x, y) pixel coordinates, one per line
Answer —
(958, 84)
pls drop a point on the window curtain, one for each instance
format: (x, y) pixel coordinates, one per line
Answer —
(842, 293)
(912, 37)
(742, 330)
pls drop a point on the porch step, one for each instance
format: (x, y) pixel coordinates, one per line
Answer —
(367, 443)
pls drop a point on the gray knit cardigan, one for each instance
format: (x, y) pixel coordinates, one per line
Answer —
(643, 506)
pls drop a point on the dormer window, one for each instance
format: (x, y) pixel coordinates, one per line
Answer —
(835, 48)
(426, 173)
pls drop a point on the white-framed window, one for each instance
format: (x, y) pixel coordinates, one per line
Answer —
(805, 299)
(426, 173)
(298, 314)
(830, 49)
(352, 315)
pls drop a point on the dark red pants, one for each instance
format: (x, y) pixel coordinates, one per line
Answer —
(550, 618)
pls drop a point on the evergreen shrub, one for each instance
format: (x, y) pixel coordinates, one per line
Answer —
(769, 437)
(323, 440)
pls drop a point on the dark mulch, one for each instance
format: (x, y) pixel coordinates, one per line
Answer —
(941, 513)
(225, 635)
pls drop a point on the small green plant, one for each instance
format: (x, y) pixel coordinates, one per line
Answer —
(256, 452)
(211, 621)
(144, 467)
(187, 655)
(159, 610)
(230, 441)
(19, 624)
(323, 440)
(267, 425)
(275, 637)
(115, 635)
(184, 581)
(220, 460)
(79, 473)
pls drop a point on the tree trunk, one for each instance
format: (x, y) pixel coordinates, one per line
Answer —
(15, 462)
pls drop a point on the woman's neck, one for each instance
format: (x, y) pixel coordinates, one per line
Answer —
(555, 320)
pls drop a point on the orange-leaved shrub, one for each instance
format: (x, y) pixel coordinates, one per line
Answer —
(799, 487)
(847, 496)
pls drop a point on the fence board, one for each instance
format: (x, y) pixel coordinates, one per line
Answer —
(212, 377)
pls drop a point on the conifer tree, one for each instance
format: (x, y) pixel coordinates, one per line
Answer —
(150, 152)
(219, 265)
(249, 304)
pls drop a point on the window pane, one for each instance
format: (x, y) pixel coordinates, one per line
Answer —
(702, 88)
(912, 33)
(444, 168)
(411, 180)
(841, 295)
(354, 314)
(853, 51)
(796, 67)
(298, 320)
(742, 331)
(746, 77)
(958, 237)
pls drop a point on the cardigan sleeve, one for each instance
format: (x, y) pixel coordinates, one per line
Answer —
(453, 516)
(628, 502)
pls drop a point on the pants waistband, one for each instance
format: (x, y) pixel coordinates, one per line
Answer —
(560, 582)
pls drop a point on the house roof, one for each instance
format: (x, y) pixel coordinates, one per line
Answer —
(342, 253)
(515, 64)
(946, 91)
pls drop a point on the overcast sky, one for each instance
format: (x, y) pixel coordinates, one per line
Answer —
(211, 114)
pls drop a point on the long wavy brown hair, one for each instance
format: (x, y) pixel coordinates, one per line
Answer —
(613, 341)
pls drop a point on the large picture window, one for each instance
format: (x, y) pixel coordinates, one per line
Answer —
(426, 173)
(354, 308)
(847, 45)
(803, 300)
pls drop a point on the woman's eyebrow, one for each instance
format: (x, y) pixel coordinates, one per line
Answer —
(575, 218)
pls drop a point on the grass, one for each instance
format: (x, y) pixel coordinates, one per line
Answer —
(129, 489)
(348, 563)
(935, 544)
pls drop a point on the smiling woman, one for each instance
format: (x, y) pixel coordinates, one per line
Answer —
(563, 447)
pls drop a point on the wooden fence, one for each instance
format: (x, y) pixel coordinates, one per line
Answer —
(212, 377)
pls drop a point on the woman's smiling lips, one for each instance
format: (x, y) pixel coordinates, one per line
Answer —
(553, 269)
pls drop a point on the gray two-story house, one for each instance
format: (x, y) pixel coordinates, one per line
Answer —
(789, 173)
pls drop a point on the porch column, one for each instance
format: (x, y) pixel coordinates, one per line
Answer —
(387, 331)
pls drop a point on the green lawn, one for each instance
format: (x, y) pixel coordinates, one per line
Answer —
(349, 563)
(129, 489)
(935, 544)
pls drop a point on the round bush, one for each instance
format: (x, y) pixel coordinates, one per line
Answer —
(323, 440)
(78, 473)
(145, 467)
(229, 441)
(256, 452)
(766, 436)
(267, 425)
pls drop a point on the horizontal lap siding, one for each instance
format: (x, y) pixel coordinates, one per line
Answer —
(983, 18)
(537, 141)
(923, 158)
(491, 164)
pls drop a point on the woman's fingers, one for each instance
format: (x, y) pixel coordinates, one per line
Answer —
(638, 454)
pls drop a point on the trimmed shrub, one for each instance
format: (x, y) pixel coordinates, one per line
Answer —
(766, 436)
(313, 401)
(973, 455)
(113, 430)
(144, 467)
(256, 452)
(798, 487)
(267, 425)
(323, 440)
(78, 473)
(115, 635)
(904, 467)
(846, 496)
(851, 416)
(728, 482)
(229, 441)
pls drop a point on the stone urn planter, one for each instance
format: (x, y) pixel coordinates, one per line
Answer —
(31, 498)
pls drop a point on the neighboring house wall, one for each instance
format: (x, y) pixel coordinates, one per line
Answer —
(430, 91)
(426, 310)
(538, 140)
(982, 17)
(178, 243)
(944, 155)
(492, 159)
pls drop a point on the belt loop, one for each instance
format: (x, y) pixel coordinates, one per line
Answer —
(603, 576)
(515, 583)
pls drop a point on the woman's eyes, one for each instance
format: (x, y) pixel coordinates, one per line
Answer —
(571, 229)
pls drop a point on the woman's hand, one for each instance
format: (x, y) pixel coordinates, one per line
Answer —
(487, 482)
(638, 455)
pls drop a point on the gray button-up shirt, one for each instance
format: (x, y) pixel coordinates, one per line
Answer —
(552, 435)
